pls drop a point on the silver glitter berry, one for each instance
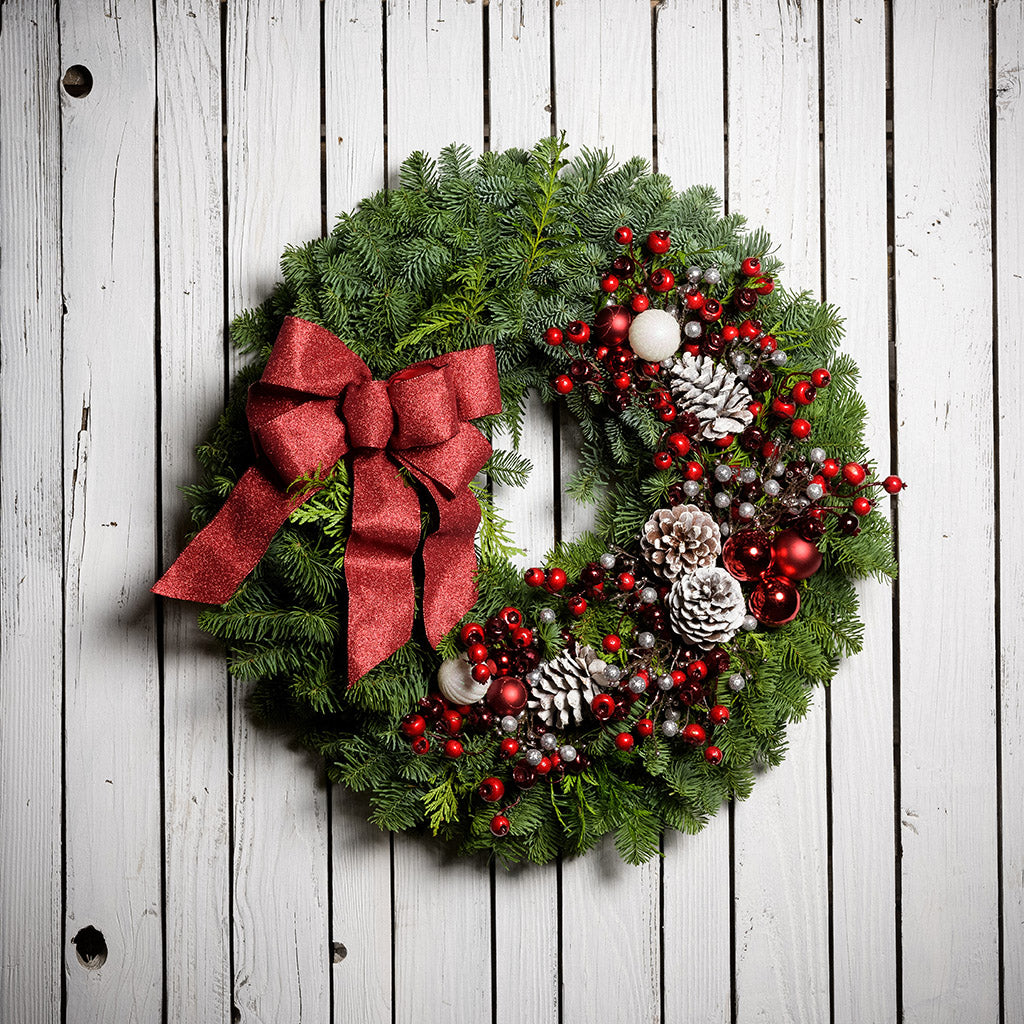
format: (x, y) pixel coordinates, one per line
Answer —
(738, 359)
(567, 752)
(743, 371)
(691, 488)
(724, 529)
(509, 723)
(665, 682)
(772, 488)
(815, 491)
(547, 615)
(534, 758)
(648, 595)
(817, 454)
(672, 715)
(723, 473)
(645, 640)
(779, 468)
(778, 358)
(693, 328)
(693, 274)
(746, 510)
(637, 684)
(722, 500)
(736, 682)
(713, 275)
(607, 560)
(748, 475)
(669, 729)
(548, 741)
(612, 673)
(749, 623)
(533, 676)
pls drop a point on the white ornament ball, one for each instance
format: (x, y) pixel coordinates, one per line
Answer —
(654, 335)
(457, 685)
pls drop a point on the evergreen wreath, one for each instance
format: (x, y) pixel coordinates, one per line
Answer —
(639, 678)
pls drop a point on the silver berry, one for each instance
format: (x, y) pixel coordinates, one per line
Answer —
(736, 682)
(648, 595)
(817, 454)
(772, 488)
(746, 510)
(607, 560)
(749, 623)
(672, 715)
(722, 500)
(533, 676)
(691, 488)
(693, 328)
(509, 723)
(669, 729)
(612, 673)
(534, 757)
(637, 684)
(665, 682)
(567, 752)
(815, 491)
(713, 275)
(779, 468)
(748, 475)
(547, 615)
(778, 358)
(645, 640)
(548, 741)
(723, 473)
(724, 529)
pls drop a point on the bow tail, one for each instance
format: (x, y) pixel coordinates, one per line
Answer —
(378, 562)
(227, 549)
(449, 562)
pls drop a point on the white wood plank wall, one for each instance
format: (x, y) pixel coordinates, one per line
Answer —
(161, 858)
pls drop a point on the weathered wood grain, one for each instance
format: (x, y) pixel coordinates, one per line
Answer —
(1009, 235)
(860, 699)
(112, 732)
(695, 874)
(31, 528)
(360, 853)
(781, 856)
(946, 598)
(191, 349)
(282, 955)
(442, 906)
(526, 980)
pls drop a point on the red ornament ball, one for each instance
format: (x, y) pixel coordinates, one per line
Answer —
(611, 325)
(553, 336)
(562, 384)
(661, 460)
(694, 733)
(747, 554)
(794, 556)
(821, 378)
(662, 280)
(658, 242)
(678, 443)
(612, 643)
(491, 789)
(543, 766)
(625, 581)
(623, 235)
(472, 633)
(624, 741)
(829, 468)
(500, 825)
(713, 755)
(453, 749)
(893, 484)
(506, 696)
(853, 473)
(775, 601)
(451, 722)
(862, 506)
(804, 392)
(719, 714)
(577, 605)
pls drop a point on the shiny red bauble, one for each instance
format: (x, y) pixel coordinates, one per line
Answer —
(862, 506)
(477, 653)
(747, 554)
(853, 472)
(500, 825)
(713, 755)
(893, 484)
(543, 766)
(523, 775)
(611, 325)
(678, 443)
(414, 725)
(829, 468)
(624, 741)
(662, 280)
(693, 733)
(719, 714)
(453, 749)
(451, 722)
(775, 601)
(491, 789)
(554, 336)
(603, 706)
(577, 605)
(821, 378)
(625, 581)
(794, 556)
(661, 460)
(506, 696)
(659, 242)
(804, 392)
(623, 235)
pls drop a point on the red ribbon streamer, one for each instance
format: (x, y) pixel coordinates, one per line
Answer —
(316, 402)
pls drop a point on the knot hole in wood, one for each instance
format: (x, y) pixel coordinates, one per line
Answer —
(90, 948)
(77, 81)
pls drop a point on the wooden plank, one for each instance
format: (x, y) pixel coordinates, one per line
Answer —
(947, 686)
(610, 911)
(442, 906)
(1009, 226)
(112, 731)
(281, 916)
(860, 699)
(360, 853)
(196, 723)
(527, 980)
(31, 528)
(695, 871)
(780, 852)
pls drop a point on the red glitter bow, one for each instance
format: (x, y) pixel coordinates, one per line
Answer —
(316, 402)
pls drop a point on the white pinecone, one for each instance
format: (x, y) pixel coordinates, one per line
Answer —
(680, 539)
(706, 607)
(713, 393)
(564, 686)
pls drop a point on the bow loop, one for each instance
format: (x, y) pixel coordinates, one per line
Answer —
(425, 404)
(366, 410)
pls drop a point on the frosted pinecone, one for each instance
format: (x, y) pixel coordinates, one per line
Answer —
(564, 686)
(706, 607)
(680, 539)
(713, 393)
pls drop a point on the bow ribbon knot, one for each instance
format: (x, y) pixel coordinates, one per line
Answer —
(317, 402)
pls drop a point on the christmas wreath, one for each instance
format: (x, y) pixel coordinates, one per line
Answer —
(364, 576)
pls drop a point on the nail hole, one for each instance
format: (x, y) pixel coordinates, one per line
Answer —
(91, 948)
(338, 952)
(77, 81)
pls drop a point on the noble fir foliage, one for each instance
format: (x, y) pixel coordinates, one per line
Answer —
(494, 250)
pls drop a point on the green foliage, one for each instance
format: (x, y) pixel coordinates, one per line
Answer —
(493, 250)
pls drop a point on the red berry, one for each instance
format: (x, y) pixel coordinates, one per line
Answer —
(658, 242)
(624, 741)
(661, 460)
(748, 330)
(556, 579)
(553, 336)
(854, 473)
(491, 789)
(521, 637)
(800, 429)
(719, 714)
(765, 286)
(639, 303)
(697, 671)
(511, 617)
(804, 392)
(893, 484)
(453, 749)
(730, 332)
(621, 381)
(783, 407)
(451, 722)
(668, 414)
(625, 581)
(509, 747)
(534, 577)
(693, 471)
(603, 706)
(713, 755)
(477, 653)
(751, 266)
(768, 344)
(862, 506)
(662, 280)
(821, 378)
(611, 643)
(577, 605)
(609, 283)
(678, 677)
(695, 300)
(500, 825)
(829, 468)
(694, 733)
(482, 672)
(578, 332)
(650, 369)
(414, 725)
(623, 235)
(543, 766)
(420, 745)
(770, 449)
(679, 443)
(562, 384)
(471, 633)
(724, 441)
(755, 408)
(645, 727)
